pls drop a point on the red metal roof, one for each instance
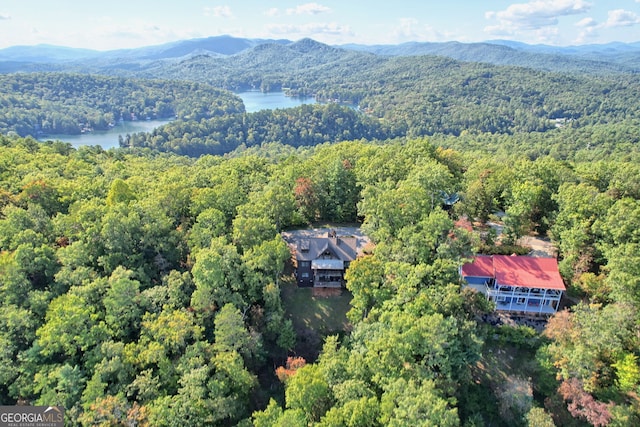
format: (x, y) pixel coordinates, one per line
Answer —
(481, 266)
(525, 271)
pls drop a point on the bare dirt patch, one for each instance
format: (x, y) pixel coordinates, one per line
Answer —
(540, 247)
(326, 292)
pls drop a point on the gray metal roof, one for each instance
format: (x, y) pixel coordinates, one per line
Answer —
(342, 248)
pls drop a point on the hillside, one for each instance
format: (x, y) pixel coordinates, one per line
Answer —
(398, 95)
(613, 57)
(150, 284)
(594, 61)
(62, 103)
(222, 45)
(138, 287)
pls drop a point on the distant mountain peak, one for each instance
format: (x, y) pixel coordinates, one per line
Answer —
(611, 57)
(309, 45)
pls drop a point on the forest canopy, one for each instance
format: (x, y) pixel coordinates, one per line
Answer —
(389, 97)
(61, 103)
(150, 284)
(139, 286)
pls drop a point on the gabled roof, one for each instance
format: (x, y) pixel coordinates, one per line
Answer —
(528, 271)
(343, 248)
(524, 271)
(481, 266)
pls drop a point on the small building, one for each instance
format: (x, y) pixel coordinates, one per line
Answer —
(521, 284)
(322, 261)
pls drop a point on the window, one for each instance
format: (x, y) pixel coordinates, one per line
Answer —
(521, 300)
(305, 275)
(305, 264)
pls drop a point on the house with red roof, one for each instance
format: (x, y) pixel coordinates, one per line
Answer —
(521, 284)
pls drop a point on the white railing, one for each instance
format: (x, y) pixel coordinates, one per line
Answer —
(520, 299)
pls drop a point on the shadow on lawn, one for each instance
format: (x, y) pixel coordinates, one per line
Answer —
(315, 315)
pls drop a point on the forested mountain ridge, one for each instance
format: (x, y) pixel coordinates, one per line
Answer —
(218, 45)
(412, 95)
(613, 57)
(267, 66)
(56, 103)
(597, 60)
(421, 96)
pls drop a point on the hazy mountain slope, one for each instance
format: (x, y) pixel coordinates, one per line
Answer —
(548, 58)
(609, 58)
(266, 66)
(223, 45)
(45, 54)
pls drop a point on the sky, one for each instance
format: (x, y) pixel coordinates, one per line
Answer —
(118, 24)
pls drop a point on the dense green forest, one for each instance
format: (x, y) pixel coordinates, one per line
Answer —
(300, 126)
(395, 96)
(141, 288)
(58, 103)
(421, 95)
(150, 285)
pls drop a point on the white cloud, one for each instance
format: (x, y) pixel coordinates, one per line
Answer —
(310, 29)
(410, 29)
(4, 17)
(107, 32)
(622, 18)
(534, 16)
(218, 11)
(589, 30)
(587, 23)
(308, 9)
(274, 11)
(617, 18)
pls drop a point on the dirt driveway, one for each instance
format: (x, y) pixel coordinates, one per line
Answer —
(542, 248)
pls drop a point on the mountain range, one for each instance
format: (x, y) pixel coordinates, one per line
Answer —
(612, 57)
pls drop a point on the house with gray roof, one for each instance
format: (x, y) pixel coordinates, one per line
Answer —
(322, 261)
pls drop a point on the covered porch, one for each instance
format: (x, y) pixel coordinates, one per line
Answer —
(328, 273)
(527, 308)
(523, 299)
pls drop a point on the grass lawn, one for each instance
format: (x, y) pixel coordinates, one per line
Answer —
(314, 317)
(508, 380)
(502, 381)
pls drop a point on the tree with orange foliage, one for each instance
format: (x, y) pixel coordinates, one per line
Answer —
(293, 364)
(306, 195)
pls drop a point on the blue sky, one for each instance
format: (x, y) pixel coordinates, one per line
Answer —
(115, 24)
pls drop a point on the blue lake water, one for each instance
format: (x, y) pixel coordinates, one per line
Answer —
(107, 138)
(253, 101)
(256, 100)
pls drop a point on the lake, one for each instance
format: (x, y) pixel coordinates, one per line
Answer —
(253, 101)
(256, 100)
(107, 138)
